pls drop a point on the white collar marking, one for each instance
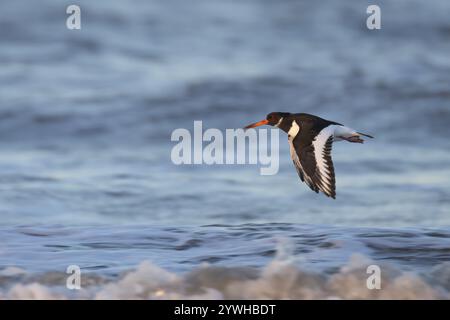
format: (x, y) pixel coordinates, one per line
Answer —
(279, 121)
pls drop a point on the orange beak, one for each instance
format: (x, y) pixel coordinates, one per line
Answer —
(257, 124)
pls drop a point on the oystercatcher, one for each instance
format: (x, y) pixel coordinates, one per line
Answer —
(310, 140)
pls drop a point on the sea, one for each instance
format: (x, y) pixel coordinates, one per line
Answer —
(86, 175)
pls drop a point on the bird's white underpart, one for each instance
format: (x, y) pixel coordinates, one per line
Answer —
(340, 132)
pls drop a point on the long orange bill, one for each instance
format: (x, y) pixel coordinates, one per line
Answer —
(257, 124)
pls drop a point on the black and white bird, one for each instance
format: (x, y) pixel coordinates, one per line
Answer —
(310, 140)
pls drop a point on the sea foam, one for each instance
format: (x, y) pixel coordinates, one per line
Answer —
(281, 278)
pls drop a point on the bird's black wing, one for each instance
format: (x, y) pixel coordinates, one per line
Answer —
(311, 154)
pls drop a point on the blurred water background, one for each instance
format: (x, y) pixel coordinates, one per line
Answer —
(86, 117)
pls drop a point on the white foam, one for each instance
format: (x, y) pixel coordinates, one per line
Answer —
(282, 278)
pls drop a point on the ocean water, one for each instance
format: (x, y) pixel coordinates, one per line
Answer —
(86, 176)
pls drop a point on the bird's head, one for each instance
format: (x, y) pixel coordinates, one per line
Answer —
(272, 119)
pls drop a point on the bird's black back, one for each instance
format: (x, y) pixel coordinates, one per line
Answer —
(307, 122)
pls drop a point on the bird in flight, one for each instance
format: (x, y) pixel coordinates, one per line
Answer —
(310, 141)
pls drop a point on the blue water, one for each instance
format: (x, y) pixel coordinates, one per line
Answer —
(86, 117)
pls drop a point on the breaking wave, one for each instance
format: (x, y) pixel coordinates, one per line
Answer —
(281, 278)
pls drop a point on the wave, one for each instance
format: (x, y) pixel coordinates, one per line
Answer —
(281, 278)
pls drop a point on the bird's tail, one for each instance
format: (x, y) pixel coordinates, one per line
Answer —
(365, 135)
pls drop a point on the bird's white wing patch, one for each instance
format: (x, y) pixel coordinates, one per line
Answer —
(322, 153)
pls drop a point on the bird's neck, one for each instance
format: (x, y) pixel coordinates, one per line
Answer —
(286, 124)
